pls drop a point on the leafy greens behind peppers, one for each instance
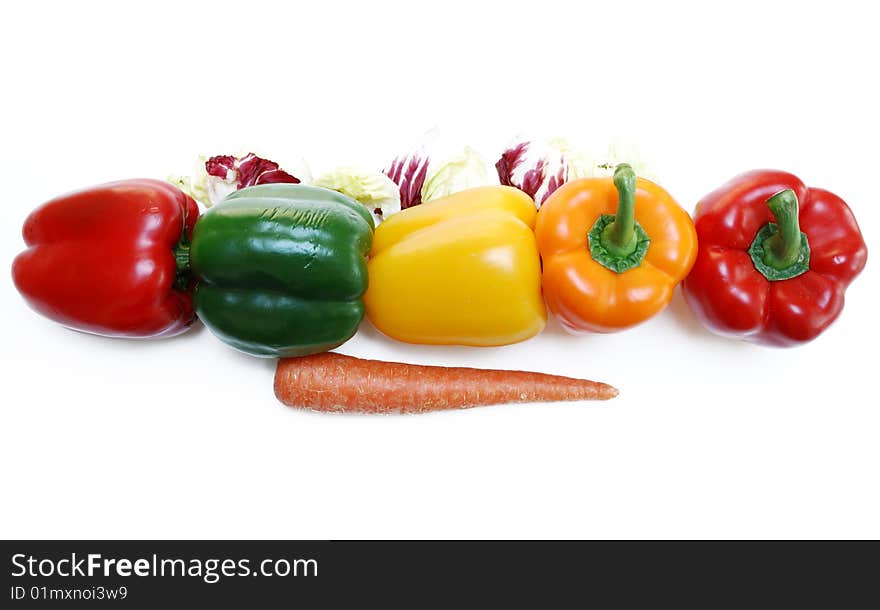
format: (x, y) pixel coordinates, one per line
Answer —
(536, 167)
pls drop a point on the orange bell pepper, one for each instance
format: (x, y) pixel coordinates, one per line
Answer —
(613, 250)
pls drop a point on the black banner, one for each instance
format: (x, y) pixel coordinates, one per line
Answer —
(328, 574)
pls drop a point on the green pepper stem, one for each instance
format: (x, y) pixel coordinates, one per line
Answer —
(619, 237)
(782, 249)
(181, 257)
(184, 267)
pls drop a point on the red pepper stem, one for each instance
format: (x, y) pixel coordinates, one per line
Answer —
(619, 237)
(782, 249)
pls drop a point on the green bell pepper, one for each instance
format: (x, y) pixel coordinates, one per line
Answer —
(282, 269)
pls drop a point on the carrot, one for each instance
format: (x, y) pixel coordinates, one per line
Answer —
(336, 383)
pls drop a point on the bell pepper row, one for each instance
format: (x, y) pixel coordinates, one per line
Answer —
(288, 269)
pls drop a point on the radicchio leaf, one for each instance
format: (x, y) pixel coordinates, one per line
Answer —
(246, 171)
(409, 174)
(227, 173)
(216, 177)
(509, 161)
(539, 167)
(535, 172)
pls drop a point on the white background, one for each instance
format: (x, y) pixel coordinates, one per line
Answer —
(105, 438)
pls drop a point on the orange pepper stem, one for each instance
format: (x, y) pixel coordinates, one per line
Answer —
(617, 241)
(619, 237)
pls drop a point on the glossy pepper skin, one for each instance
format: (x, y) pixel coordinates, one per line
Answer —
(111, 260)
(613, 250)
(460, 270)
(282, 269)
(775, 259)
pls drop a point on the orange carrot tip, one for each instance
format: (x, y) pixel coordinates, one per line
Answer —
(336, 383)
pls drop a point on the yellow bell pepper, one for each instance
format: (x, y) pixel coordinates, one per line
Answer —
(460, 270)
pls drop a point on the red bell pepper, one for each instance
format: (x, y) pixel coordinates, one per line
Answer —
(774, 259)
(111, 260)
